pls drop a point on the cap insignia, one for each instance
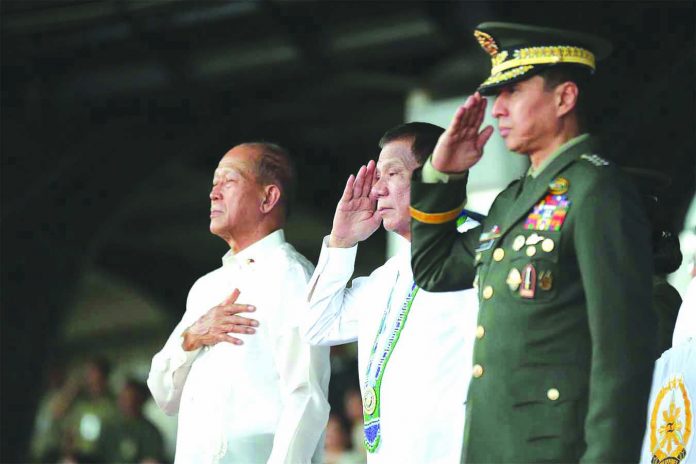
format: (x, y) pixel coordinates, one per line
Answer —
(487, 42)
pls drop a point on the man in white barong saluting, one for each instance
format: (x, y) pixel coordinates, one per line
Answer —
(412, 344)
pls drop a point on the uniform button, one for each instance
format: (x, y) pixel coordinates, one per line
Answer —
(498, 254)
(553, 394)
(487, 292)
(477, 371)
(480, 332)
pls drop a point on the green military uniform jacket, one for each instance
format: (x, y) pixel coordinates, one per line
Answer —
(564, 349)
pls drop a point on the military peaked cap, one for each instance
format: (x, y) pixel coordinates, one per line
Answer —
(520, 51)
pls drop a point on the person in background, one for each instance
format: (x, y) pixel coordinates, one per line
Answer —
(337, 445)
(93, 411)
(353, 411)
(48, 428)
(132, 438)
(667, 255)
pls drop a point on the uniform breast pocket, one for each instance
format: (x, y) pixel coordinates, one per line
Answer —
(534, 268)
(547, 405)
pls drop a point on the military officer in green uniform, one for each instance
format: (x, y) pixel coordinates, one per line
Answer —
(565, 340)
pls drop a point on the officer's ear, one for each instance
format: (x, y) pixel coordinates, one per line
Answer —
(270, 198)
(566, 97)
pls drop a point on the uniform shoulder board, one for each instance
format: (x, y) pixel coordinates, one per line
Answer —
(596, 160)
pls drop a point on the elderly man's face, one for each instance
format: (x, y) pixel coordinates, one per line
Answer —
(526, 114)
(393, 187)
(236, 196)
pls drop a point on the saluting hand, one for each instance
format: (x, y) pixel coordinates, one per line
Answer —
(356, 218)
(461, 145)
(216, 325)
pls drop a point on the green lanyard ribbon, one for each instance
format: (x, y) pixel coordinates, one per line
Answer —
(371, 393)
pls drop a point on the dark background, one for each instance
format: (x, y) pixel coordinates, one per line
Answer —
(115, 113)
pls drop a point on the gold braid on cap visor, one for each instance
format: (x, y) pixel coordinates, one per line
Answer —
(542, 55)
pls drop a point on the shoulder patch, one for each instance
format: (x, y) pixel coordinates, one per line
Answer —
(596, 160)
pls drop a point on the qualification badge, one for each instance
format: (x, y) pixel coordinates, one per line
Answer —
(545, 280)
(514, 279)
(528, 281)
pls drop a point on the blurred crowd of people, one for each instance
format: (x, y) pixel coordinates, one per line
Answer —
(80, 420)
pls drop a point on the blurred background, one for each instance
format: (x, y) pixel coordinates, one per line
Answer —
(115, 113)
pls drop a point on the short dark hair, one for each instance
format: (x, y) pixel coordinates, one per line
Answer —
(274, 166)
(139, 387)
(580, 76)
(100, 363)
(424, 137)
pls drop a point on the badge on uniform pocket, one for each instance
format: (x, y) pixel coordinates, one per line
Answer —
(545, 280)
(528, 286)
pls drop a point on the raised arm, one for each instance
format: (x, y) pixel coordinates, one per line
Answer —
(332, 315)
(442, 259)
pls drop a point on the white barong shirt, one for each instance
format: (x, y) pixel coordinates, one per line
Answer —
(425, 382)
(265, 400)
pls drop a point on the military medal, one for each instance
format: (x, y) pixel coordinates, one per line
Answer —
(369, 401)
(514, 279)
(533, 239)
(498, 254)
(531, 251)
(547, 245)
(528, 281)
(373, 381)
(518, 243)
(545, 280)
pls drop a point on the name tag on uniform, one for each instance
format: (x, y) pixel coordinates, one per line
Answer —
(487, 239)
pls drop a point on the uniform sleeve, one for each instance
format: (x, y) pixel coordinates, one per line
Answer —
(442, 259)
(332, 311)
(171, 365)
(612, 244)
(304, 373)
